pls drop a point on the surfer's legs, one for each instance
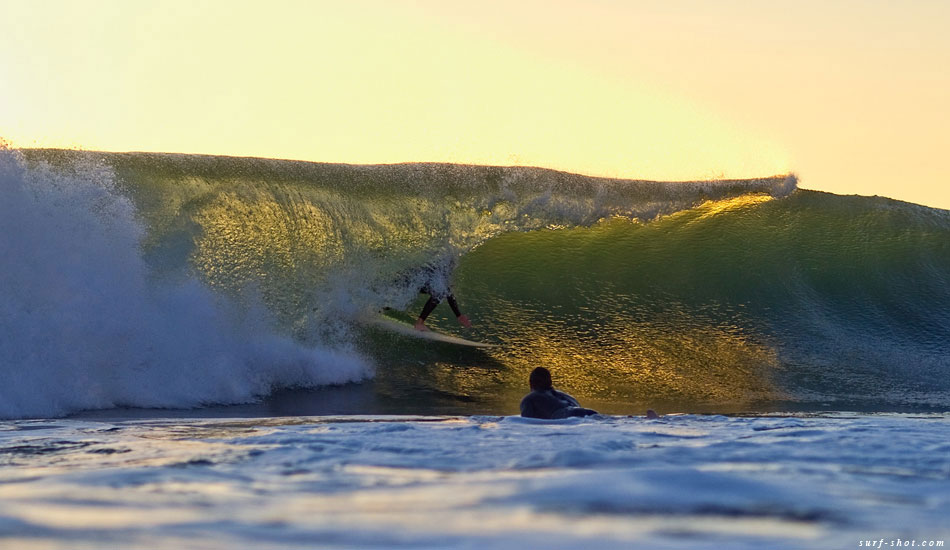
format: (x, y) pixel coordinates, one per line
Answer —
(454, 305)
(430, 305)
(463, 319)
(426, 310)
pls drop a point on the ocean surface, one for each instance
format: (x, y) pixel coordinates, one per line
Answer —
(707, 482)
(186, 358)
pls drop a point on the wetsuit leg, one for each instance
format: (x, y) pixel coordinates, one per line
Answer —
(430, 305)
(453, 304)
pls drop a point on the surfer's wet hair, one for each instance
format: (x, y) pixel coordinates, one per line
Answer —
(540, 379)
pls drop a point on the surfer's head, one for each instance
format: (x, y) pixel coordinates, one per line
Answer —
(540, 379)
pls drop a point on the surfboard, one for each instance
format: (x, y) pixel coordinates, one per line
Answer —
(406, 329)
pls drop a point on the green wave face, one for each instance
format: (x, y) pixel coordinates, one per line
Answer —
(694, 296)
(812, 299)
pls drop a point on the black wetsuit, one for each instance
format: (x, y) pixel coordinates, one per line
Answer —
(551, 404)
(437, 287)
(434, 299)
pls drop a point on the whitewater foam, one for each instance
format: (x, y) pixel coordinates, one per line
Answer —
(83, 327)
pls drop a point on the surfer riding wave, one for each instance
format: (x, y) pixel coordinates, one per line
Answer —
(435, 277)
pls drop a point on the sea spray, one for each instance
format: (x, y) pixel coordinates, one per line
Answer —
(83, 326)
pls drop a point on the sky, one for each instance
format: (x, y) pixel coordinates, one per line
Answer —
(852, 96)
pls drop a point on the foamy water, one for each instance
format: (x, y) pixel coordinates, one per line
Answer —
(85, 326)
(820, 481)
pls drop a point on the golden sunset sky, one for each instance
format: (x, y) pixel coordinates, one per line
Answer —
(850, 95)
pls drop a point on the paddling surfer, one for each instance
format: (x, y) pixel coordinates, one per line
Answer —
(546, 402)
